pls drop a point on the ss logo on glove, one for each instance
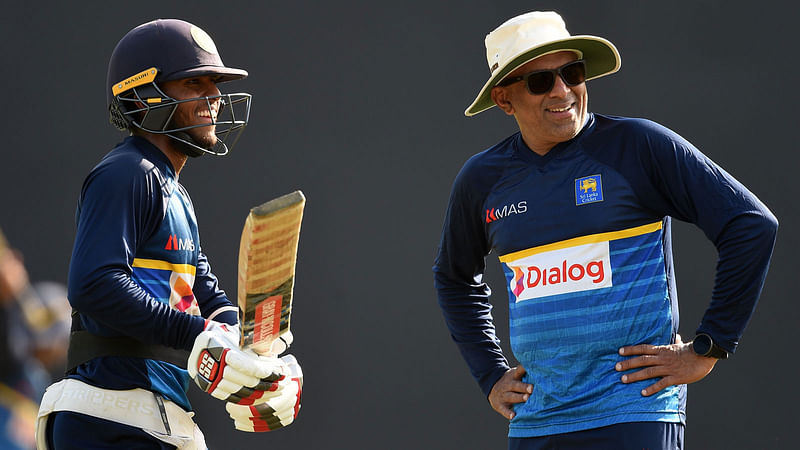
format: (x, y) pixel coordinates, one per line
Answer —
(228, 373)
(263, 392)
(207, 367)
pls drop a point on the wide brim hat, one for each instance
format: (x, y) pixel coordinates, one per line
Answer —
(529, 36)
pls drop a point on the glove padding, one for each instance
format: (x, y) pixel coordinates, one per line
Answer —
(220, 368)
(275, 409)
(282, 344)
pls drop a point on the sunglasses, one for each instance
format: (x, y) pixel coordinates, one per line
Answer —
(542, 81)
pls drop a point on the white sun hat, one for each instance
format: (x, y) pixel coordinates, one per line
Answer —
(534, 34)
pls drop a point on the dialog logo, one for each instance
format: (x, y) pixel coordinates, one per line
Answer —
(566, 270)
(181, 296)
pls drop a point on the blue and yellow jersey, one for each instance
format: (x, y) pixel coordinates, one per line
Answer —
(137, 268)
(583, 237)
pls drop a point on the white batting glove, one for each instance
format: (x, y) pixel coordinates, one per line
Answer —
(221, 369)
(231, 333)
(275, 409)
(282, 344)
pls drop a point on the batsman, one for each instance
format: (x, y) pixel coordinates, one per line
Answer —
(148, 313)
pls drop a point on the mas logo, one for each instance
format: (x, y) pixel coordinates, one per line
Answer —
(175, 243)
(564, 270)
(588, 190)
(493, 214)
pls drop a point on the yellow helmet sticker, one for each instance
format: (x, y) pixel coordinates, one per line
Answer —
(203, 40)
(143, 77)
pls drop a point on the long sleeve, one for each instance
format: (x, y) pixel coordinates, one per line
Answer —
(685, 184)
(118, 211)
(213, 301)
(458, 279)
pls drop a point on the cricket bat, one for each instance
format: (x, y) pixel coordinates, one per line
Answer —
(267, 260)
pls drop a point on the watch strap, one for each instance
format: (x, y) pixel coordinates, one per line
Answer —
(713, 350)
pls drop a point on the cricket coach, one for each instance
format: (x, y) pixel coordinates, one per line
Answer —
(148, 311)
(578, 207)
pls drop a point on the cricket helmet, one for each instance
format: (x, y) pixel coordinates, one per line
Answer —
(166, 50)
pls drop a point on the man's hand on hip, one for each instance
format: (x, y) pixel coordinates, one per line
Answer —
(674, 364)
(509, 390)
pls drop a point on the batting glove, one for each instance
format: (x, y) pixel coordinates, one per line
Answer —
(220, 368)
(275, 409)
(282, 344)
(231, 333)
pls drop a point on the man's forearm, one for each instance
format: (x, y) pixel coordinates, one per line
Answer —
(745, 249)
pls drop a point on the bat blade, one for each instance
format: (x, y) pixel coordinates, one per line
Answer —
(267, 261)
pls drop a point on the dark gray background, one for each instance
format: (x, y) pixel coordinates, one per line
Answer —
(359, 104)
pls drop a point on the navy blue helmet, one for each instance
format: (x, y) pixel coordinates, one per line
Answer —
(166, 50)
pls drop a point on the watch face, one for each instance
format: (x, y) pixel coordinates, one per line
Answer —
(702, 344)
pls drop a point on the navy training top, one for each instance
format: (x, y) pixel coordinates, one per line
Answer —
(137, 269)
(583, 236)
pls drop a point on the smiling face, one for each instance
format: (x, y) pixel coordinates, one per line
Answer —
(545, 119)
(196, 112)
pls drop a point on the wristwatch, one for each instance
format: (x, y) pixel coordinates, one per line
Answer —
(703, 345)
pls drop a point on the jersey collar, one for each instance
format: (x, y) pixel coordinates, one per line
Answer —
(524, 152)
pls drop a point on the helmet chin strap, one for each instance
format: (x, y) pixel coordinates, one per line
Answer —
(186, 144)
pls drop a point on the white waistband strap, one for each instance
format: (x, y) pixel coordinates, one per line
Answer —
(135, 407)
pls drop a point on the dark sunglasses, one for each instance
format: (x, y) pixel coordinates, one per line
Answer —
(542, 81)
